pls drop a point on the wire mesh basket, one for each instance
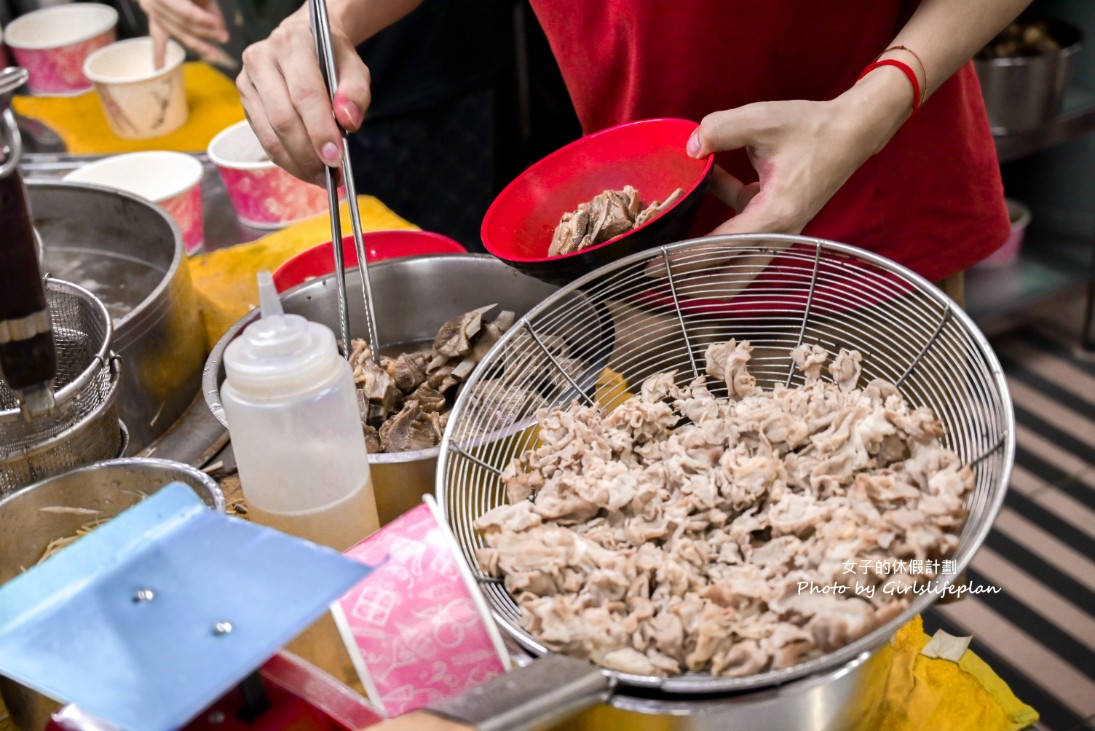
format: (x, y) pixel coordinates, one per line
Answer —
(775, 291)
(83, 427)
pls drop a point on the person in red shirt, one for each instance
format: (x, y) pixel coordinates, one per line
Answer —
(813, 134)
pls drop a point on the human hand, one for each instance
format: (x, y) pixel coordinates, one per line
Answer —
(197, 24)
(287, 102)
(803, 152)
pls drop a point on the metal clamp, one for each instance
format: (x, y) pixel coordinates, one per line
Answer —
(11, 143)
(537, 696)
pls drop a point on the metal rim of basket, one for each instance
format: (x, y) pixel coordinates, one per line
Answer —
(103, 356)
(74, 430)
(171, 470)
(970, 541)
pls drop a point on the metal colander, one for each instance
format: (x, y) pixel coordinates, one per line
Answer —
(83, 427)
(774, 291)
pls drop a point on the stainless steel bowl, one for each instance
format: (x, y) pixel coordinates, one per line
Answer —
(413, 297)
(129, 253)
(1023, 93)
(108, 487)
(58, 507)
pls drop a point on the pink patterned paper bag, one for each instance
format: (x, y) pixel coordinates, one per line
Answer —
(417, 627)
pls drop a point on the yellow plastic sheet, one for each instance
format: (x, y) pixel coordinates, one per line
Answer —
(212, 98)
(925, 692)
(921, 693)
(224, 280)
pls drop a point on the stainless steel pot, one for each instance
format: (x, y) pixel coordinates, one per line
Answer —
(414, 297)
(129, 253)
(1023, 93)
(57, 508)
(550, 691)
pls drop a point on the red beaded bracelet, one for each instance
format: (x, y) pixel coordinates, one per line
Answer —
(905, 69)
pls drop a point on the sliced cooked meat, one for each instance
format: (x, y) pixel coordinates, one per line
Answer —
(372, 440)
(411, 429)
(683, 532)
(408, 371)
(572, 229)
(453, 340)
(726, 362)
(379, 390)
(604, 217)
(431, 379)
(490, 334)
(655, 208)
(429, 399)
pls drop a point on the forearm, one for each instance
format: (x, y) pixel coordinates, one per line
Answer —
(940, 36)
(804, 151)
(361, 19)
(947, 33)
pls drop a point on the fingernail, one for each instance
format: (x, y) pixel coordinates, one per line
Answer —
(329, 154)
(350, 110)
(693, 146)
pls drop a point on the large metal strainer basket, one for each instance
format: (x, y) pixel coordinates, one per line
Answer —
(776, 292)
(83, 427)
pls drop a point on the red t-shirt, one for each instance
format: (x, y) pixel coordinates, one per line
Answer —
(931, 200)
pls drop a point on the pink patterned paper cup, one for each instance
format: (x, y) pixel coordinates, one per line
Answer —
(186, 208)
(53, 43)
(264, 195)
(140, 101)
(171, 180)
(418, 628)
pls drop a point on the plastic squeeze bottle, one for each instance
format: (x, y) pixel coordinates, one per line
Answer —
(295, 428)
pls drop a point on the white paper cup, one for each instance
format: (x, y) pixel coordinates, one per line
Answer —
(418, 628)
(53, 43)
(140, 101)
(171, 180)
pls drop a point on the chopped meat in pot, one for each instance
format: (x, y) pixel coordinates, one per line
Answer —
(404, 401)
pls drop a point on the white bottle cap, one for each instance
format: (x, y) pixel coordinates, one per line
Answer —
(280, 355)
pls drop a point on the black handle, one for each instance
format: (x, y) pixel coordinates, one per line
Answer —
(27, 355)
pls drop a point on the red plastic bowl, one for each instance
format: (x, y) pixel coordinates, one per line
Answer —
(319, 260)
(648, 155)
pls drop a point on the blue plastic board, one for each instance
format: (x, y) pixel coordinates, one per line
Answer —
(74, 628)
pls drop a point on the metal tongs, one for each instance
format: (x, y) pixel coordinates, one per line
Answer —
(321, 31)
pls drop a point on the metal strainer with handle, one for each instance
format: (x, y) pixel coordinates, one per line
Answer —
(83, 426)
(775, 291)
